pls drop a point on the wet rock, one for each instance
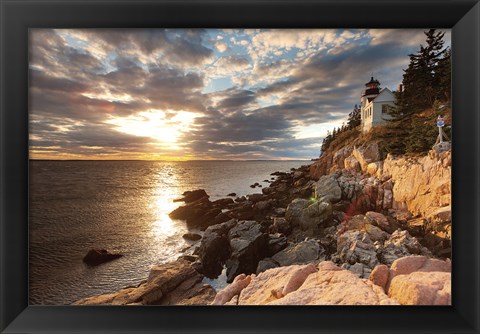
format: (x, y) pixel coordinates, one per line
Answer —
(254, 198)
(248, 246)
(240, 199)
(192, 236)
(221, 218)
(192, 196)
(189, 258)
(223, 202)
(275, 243)
(243, 211)
(232, 194)
(198, 214)
(214, 249)
(268, 190)
(174, 283)
(94, 257)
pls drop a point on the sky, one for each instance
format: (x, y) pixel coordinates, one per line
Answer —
(197, 94)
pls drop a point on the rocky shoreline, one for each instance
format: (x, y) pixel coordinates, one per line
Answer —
(344, 230)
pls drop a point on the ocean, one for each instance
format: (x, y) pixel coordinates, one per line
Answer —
(121, 206)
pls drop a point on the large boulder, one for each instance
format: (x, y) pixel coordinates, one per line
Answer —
(383, 276)
(94, 257)
(198, 214)
(328, 189)
(306, 285)
(303, 252)
(275, 243)
(214, 248)
(192, 196)
(174, 283)
(308, 214)
(422, 288)
(248, 245)
(367, 154)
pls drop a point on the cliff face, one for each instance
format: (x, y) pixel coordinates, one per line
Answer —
(420, 186)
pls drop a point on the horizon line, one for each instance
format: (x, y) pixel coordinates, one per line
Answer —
(305, 159)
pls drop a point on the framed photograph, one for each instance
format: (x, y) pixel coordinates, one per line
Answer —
(248, 166)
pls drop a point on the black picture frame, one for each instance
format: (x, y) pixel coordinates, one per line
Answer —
(18, 16)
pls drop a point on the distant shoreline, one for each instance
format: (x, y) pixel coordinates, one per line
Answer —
(216, 160)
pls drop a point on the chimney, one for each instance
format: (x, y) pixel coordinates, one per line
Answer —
(400, 88)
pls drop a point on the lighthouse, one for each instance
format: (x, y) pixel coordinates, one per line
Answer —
(374, 104)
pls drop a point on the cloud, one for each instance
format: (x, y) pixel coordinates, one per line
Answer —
(289, 87)
(221, 46)
(229, 65)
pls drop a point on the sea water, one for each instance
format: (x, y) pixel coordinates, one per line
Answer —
(121, 206)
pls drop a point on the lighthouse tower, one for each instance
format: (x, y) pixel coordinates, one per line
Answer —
(372, 89)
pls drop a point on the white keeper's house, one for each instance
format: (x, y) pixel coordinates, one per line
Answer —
(374, 104)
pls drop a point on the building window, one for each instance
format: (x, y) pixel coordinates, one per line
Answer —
(385, 108)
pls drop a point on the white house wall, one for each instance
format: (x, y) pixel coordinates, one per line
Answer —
(376, 116)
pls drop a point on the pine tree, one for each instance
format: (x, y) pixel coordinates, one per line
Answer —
(426, 80)
(444, 74)
(421, 80)
(354, 118)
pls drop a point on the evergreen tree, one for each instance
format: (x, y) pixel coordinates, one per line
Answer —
(354, 118)
(444, 74)
(422, 80)
(426, 80)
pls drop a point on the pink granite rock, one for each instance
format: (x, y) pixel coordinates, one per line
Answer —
(380, 276)
(410, 264)
(422, 288)
(330, 285)
(296, 280)
(239, 283)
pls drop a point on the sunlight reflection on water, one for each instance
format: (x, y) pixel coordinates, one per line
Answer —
(121, 206)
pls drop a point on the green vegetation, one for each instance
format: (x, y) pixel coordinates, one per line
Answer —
(425, 95)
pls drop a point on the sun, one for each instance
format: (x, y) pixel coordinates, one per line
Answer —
(154, 124)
